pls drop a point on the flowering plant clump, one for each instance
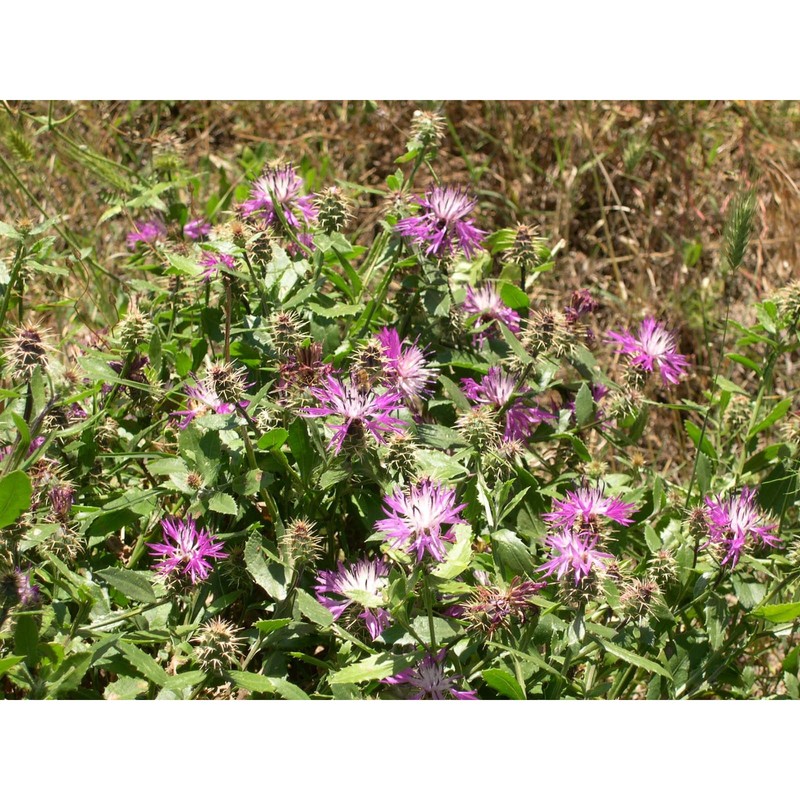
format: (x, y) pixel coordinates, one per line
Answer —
(303, 438)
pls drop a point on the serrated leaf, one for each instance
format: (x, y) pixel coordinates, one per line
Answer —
(144, 663)
(223, 504)
(133, 584)
(779, 612)
(313, 610)
(270, 577)
(510, 554)
(381, 665)
(779, 411)
(268, 625)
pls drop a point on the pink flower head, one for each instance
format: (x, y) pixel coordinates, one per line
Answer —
(186, 549)
(443, 226)
(417, 517)
(574, 551)
(202, 399)
(196, 228)
(361, 409)
(146, 232)
(654, 347)
(486, 303)
(428, 678)
(496, 389)
(732, 520)
(212, 263)
(581, 304)
(285, 186)
(406, 369)
(585, 508)
(346, 585)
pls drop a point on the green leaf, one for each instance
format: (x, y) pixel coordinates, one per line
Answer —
(780, 612)
(312, 610)
(504, 683)
(633, 658)
(381, 665)
(273, 439)
(513, 296)
(263, 684)
(510, 554)
(779, 411)
(459, 556)
(704, 472)
(142, 662)
(268, 625)
(15, 497)
(223, 504)
(694, 434)
(9, 662)
(454, 393)
(584, 405)
(516, 346)
(135, 585)
(270, 577)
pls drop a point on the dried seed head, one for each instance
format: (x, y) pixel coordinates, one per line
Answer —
(194, 480)
(549, 334)
(301, 543)
(492, 607)
(25, 351)
(427, 129)
(218, 645)
(595, 469)
(65, 542)
(333, 210)
(480, 426)
(501, 459)
(787, 301)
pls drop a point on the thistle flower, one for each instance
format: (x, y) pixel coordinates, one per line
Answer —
(486, 303)
(25, 351)
(444, 225)
(186, 549)
(737, 521)
(400, 453)
(428, 678)
(218, 645)
(369, 362)
(523, 252)
(492, 607)
(146, 232)
(287, 330)
(284, 185)
(574, 552)
(362, 584)
(653, 348)
(405, 370)
(417, 518)
(581, 304)
(211, 262)
(196, 229)
(585, 509)
(497, 390)
(479, 426)
(135, 328)
(27, 591)
(638, 597)
(551, 333)
(61, 496)
(362, 411)
(229, 382)
(203, 398)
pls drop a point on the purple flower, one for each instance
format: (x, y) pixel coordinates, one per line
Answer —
(429, 680)
(732, 520)
(496, 389)
(35, 444)
(585, 508)
(146, 232)
(186, 549)
(442, 226)
(27, 591)
(581, 303)
(338, 589)
(574, 551)
(361, 409)
(196, 228)
(284, 184)
(416, 517)
(212, 263)
(653, 347)
(486, 303)
(202, 399)
(406, 369)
